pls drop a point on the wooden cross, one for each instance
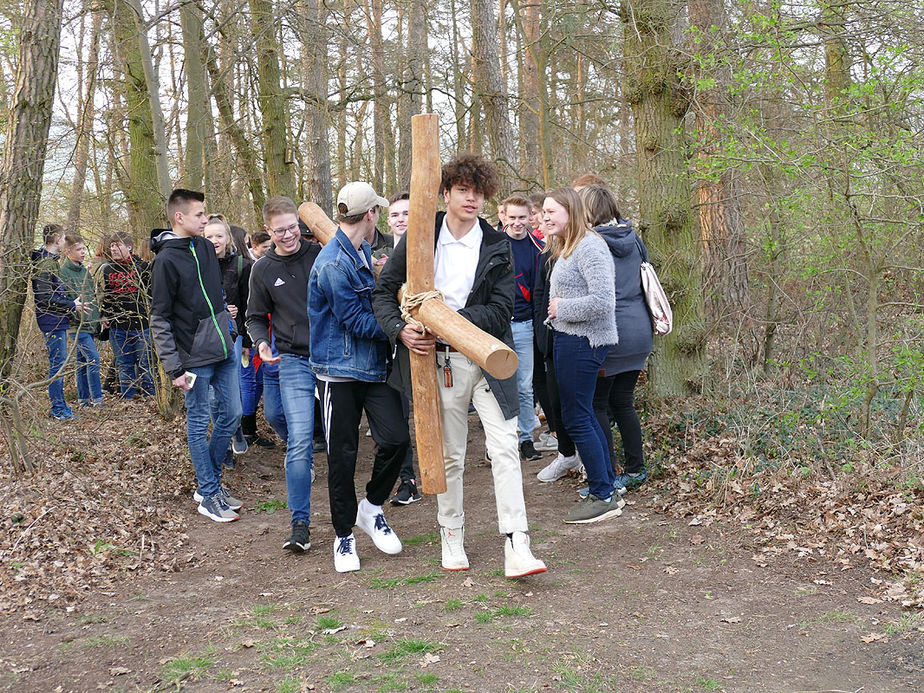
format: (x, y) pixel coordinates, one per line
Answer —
(451, 328)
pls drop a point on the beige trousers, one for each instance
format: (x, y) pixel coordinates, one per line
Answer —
(469, 384)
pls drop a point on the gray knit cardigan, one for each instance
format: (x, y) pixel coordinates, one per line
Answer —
(585, 286)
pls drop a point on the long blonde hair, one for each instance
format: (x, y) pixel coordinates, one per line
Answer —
(558, 247)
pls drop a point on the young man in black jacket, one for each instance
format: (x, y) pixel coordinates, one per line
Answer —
(474, 270)
(279, 294)
(191, 328)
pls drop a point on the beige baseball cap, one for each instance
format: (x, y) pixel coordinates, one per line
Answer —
(358, 197)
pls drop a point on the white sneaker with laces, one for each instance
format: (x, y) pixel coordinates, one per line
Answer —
(546, 442)
(453, 541)
(518, 558)
(346, 560)
(559, 467)
(371, 520)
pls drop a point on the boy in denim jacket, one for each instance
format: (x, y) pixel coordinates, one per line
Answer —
(349, 357)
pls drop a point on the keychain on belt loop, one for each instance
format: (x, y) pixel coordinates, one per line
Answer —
(447, 370)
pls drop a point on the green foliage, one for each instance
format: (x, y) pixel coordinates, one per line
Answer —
(187, 667)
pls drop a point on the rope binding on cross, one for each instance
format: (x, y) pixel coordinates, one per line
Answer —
(411, 301)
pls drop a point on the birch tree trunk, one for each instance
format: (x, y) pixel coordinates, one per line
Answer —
(198, 115)
(659, 105)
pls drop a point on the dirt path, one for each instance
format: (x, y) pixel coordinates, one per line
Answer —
(639, 603)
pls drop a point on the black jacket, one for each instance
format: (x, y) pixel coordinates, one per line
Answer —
(190, 325)
(235, 278)
(489, 307)
(279, 292)
(126, 293)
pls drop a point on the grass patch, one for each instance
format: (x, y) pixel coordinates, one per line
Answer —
(453, 605)
(484, 616)
(640, 672)
(421, 539)
(328, 622)
(391, 583)
(263, 609)
(286, 653)
(187, 667)
(289, 685)
(405, 649)
(96, 641)
(905, 624)
(707, 684)
(390, 683)
(507, 610)
(340, 680)
(270, 506)
(831, 617)
(427, 679)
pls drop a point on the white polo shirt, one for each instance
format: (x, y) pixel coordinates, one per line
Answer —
(455, 264)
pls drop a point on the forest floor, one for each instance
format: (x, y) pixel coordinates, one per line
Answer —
(648, 601)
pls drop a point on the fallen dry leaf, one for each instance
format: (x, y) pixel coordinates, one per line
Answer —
(731, 619)
(873, 637)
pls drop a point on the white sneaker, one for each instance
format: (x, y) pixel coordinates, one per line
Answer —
(518, 558)
(346, 560)
(453, 541)
(546, 442)
(559, 467)
(371, 520)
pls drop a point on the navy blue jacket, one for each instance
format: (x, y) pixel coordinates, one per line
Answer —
(52, 304)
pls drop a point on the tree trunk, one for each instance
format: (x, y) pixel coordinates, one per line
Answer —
(198, 114)
(490, 88)
(245, 154)
(279, 179)
(21, 170)
(718, 201)
(85, 126)
(665, 215)
(144, 183)
(535, 138)
(381, 124)
(313, 28)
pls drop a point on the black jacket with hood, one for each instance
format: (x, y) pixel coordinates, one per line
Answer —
(279, 292)
(190, 325)
(489, 307)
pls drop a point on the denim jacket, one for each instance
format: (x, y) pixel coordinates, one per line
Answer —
(346, 340)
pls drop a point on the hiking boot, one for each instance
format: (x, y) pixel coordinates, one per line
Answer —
(632, 481)
(407, 493)
(371, 520)
(346, 560)
(559, 467)
(528, 451)
(300, 539)
(518, 558)
(546, 442)
(215, 508)
(593, 509)
(238, 442)
(230, 500)
(453, 541)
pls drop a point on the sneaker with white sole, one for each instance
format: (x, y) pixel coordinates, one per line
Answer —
(593, 509)
(215, 508)
(239, 442)
(371, 520)
(346, 560)
(453, 542)
(546, 442)
(617, 489)
(559, 467)
(231, 501)
(518, 557)
(299, 540)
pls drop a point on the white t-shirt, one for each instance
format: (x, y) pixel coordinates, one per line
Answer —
(455, 264)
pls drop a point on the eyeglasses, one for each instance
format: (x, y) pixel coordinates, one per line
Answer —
(290, 229)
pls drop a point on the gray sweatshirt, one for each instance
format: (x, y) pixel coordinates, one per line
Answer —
(585, 286)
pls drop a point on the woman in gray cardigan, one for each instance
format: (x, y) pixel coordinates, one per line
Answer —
(582, 314)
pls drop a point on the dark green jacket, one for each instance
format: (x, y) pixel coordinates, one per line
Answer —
(78, 282)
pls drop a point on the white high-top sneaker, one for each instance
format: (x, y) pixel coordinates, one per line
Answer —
(518, 558)
(453, 541)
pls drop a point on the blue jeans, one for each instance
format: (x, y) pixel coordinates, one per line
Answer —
(213, 397)
(576, 368)
(272, 401)
(56, 342)
(89, 388)
(132, 349)
(523, 344)
(251, 386)
(207, 452)
(296, 387)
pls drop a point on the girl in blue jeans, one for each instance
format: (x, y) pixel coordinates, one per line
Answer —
(582, 303)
